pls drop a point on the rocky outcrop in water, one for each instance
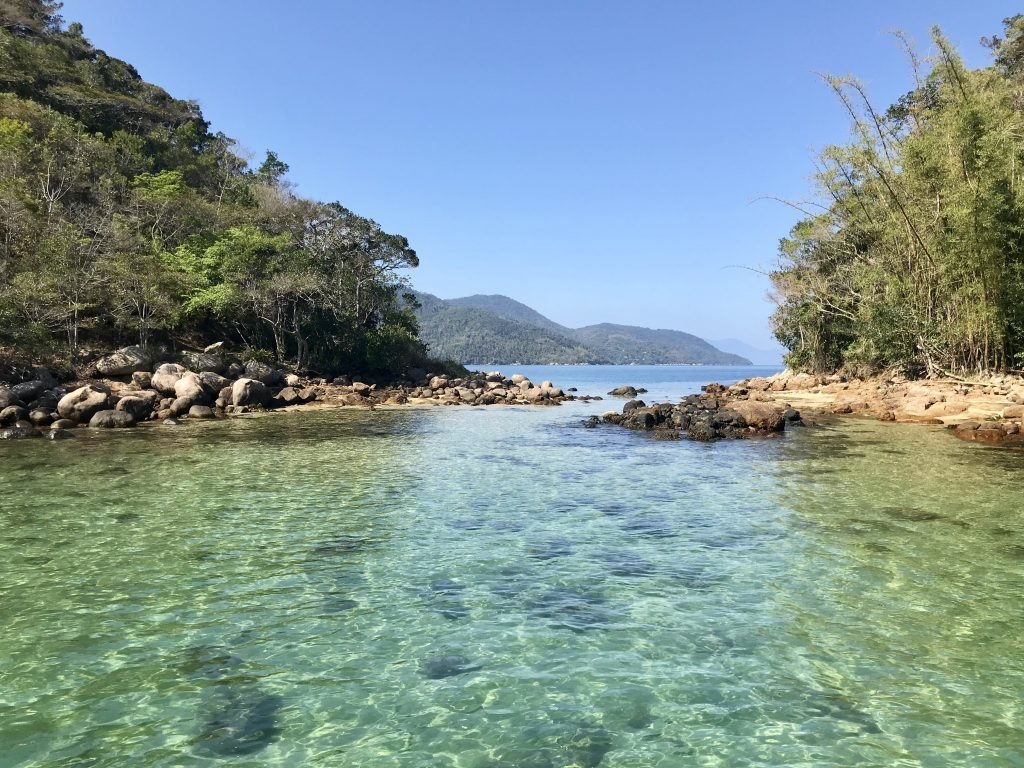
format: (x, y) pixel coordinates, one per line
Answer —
(713, 415)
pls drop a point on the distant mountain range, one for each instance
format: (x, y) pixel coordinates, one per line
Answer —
(770, 356)
(497, 330)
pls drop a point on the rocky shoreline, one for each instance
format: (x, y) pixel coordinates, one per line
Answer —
(129, 389)
(985, 410)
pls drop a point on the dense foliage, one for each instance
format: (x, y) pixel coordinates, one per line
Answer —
(498, 330)
(916, 259)
(124, 219)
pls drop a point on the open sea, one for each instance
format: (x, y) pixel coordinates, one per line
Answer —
(501, 587)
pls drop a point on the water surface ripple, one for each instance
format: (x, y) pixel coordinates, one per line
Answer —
(475, 589)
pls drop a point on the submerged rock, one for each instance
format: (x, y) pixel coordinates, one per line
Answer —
(573, 609)
(240, 721)
(439, 667)
(19, 432)
(238, 718)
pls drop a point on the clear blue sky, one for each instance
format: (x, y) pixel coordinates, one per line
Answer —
(599, 161)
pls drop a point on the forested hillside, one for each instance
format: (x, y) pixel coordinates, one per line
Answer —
(466, 334)
(124, 218)
(495, 329)
(915, 260)
(633, 344)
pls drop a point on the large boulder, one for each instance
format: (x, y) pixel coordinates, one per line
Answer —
(124, 362)
(180, 406)
(534, 394)
(47, 401)
(262, 372)
(249, 392)
(764, 417)
(112, 420)
(82, 404)
(288, 396)
(8, 398)
(142, 379)
(213, 383)
(40, 417)
(626, 391)
(12, 414)
(203, 361)
(200, 412)
(42, 373)
(28, 391)
(138, 404)
(190, 387)
(166, 376)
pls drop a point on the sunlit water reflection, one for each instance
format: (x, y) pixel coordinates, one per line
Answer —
(470, 588)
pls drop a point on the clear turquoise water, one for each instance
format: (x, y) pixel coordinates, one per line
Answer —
(282, 591)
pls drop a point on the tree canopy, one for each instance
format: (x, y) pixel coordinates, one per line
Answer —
(913, 257)
(125, 219)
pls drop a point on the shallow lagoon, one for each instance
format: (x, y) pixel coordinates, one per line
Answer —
(502, 587)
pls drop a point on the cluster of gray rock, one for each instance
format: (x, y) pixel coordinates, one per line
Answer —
(713, 415)
(208, 386)
(421, 387)
(130, 389)
(488, 389)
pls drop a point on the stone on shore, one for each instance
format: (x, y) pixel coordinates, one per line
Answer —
(28, 391)
(249, 392)
(40, 417)
(190, 387)
(83, 403)
(12, 414)
(19, 431)
(142, 379)
(262, 372)
(201, 412)
(213, 383)
(764, 417)
(123, 362)
(138, 404)
(112, 420)
(166, 376)
(203, 362)
(8, 398)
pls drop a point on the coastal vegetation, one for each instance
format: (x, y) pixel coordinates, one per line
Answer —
(125, 219)
(914, 258)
